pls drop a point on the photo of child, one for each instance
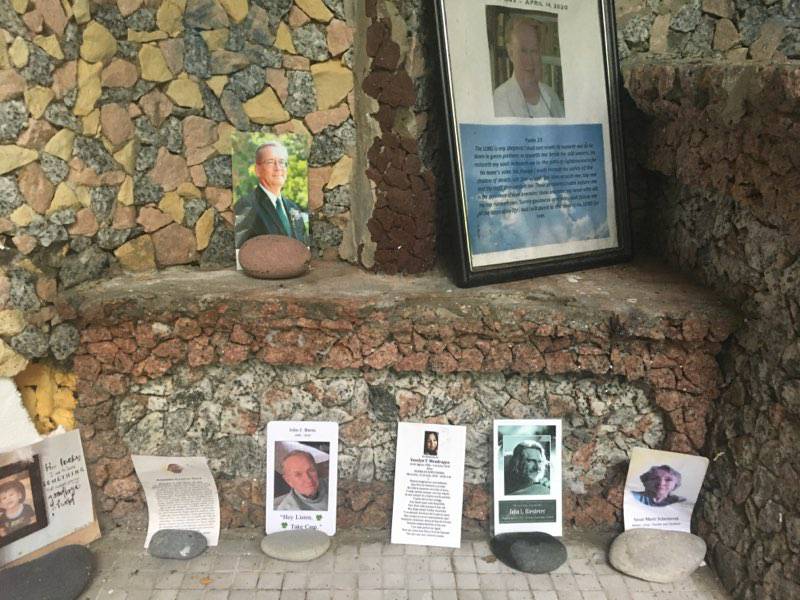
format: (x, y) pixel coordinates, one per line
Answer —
(15, 513)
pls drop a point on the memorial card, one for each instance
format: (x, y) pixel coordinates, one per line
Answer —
(531, 95)
(527, 476)
(181, 494)
(302, 457)
(270, 186)
(662, 488)
(428, 484)
(45, 499)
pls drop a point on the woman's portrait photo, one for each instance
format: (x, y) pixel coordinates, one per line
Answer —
(431, 445)
(659, 482)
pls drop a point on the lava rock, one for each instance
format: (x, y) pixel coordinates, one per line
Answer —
(93, 154)
(87, 265)
(274, 257)
(55, 168)
(218, 171)
(331, 144)
(180, 544)
(248, 82)
(657, 555)
(310, 41)
(64, 340)
(59, 575)
(220, 251)
(10, 196)
(300, 545)
(12, 120)
(531, 552)
(301, 99)
(31, 343)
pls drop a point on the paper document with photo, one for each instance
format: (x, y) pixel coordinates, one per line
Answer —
(181, 494)
(429, 484)
(527, 476)
(66, 492)
(662, 488)
(302, 459)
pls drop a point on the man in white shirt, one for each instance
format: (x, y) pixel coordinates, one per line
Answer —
(523, 94)
(266, 210)
(309, 491)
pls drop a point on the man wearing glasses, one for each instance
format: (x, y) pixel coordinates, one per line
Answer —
(266, 210)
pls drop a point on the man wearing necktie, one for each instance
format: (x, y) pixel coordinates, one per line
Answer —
(266, 210)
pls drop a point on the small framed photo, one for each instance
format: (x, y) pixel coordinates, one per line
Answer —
(22, 504)
(302, 458)
(527, 476)
(270, 186)
(534, 127)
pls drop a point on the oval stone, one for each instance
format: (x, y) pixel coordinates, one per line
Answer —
(274, 257)
(299, 545)
(59, 575)
(657, 555)
(531, 552)
(181, 544)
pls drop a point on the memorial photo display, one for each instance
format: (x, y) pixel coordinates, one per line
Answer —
(661, 489)
(527, 476)
(302, 458)
(22, 505)
(533, 119)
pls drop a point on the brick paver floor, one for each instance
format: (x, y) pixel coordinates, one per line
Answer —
(368, 568)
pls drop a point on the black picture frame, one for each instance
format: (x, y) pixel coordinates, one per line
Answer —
(28, 476)
(543, 211)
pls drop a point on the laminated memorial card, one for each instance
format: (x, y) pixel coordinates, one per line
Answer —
(527, 476)
(302, 457)
(428, 484)
(661, 489)
(270, 187)
(45, 498)
(181, 494)
(531, 96)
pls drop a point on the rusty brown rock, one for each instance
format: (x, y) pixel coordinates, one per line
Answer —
(36, 135)
(274, 257)
(53, 15)
(156, 106)
(339, 37)
(174, 245)
(152, 219)
(120, 73)
(65, 78)
(116, 123)
(12, 84)
(169, 171)
(85, 223)
(35, 187)
(199, 132)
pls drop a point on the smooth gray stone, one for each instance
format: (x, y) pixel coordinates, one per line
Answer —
(59, 575)
(299, 545)
(531, 552)
(179, 544)
(657, 555)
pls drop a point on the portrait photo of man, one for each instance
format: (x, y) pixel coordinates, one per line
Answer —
(308, 489)
(525, 471)
(262, 203)
(431, 446)
(659, 482)
(519, 43)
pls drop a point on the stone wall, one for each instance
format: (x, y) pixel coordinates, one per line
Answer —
(162, 371)
(724, 207)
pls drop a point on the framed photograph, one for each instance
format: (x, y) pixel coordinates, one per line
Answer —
(270, 186)
(533, 121)
(22, 505)
(661, 489)
(302, 458)
(527, 476)
(429, 484)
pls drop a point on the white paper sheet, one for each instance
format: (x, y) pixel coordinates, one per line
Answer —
(181, 494)
(428, 484)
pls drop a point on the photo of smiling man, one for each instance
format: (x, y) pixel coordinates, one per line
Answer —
(308, 489)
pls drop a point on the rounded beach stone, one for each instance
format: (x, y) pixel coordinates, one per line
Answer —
(59, 575)
(274, 257)
(657, 555)
(532, 552)
(177, 543)
(298, 546)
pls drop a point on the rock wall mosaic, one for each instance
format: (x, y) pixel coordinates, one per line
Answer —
(724, 207)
